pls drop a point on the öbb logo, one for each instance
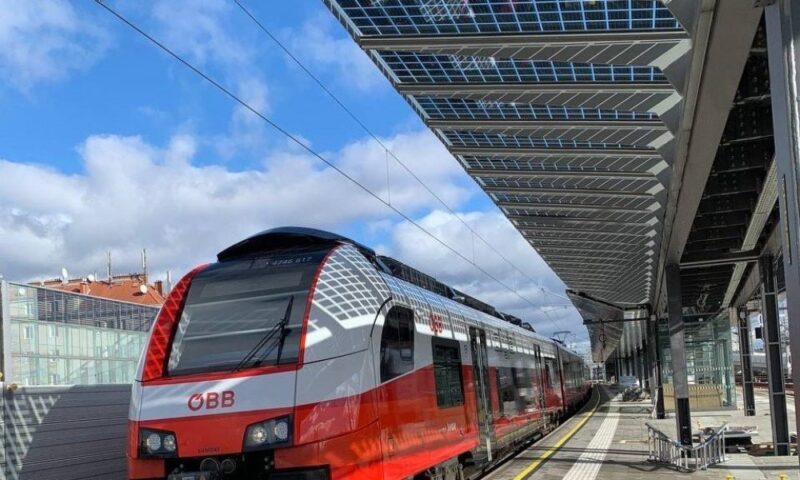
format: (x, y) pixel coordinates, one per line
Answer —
(211, 400)
(436, 323)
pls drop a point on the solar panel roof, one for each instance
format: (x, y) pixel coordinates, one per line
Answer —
(386, 17)
(577, 155)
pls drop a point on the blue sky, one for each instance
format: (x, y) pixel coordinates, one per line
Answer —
(109, 144)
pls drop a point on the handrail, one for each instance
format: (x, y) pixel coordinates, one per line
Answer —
(663, 449)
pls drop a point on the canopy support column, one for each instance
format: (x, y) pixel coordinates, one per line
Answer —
(678, 349)
(746, 355)
(772, 347)
(783, 36)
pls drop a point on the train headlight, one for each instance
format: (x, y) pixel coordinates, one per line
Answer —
(156, 443)
(271, 433)
(257, 435)
(153, 443)
(169, 443)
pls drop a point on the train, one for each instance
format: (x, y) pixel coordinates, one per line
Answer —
(303, 355)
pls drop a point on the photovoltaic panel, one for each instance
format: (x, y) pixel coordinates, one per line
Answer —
(403, 17)
(460, 108)
(412, 67)
(481, 139)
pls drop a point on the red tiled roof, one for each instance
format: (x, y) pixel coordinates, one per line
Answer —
(124, 288)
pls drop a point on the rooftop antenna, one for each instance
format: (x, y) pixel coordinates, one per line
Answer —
(144, 264)
(108, 266)
(169, 282)
(64, 276)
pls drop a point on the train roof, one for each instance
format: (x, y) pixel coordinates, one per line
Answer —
(294, 237)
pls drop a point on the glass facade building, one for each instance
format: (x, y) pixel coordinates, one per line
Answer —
(709, 363)
(51, 337)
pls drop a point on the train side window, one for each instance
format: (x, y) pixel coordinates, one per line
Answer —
(447, 373)
(397, 343)
(550, 372)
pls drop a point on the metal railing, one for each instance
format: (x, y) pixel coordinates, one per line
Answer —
(664, 450)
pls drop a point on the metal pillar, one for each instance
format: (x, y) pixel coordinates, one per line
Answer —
(643, 378)
(677, 347)
(746, 356)
(783, 34)
(772, 346)
(660, 409)
(654, 366)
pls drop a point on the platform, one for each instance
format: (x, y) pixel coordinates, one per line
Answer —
(608, 440)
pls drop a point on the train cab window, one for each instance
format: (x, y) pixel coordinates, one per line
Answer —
(447, 373)
(397, 343)
(244, 313)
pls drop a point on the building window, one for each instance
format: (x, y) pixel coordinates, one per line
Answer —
(397, 343)
(447, 373)
(27, 332)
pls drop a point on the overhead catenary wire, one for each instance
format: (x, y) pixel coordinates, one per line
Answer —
(375, 137)
(303, 145)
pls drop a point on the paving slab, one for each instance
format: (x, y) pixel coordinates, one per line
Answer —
(612, 444)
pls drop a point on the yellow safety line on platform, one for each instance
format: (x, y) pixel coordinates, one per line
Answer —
(523, 475)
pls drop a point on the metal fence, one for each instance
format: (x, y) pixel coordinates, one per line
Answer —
(664, 450)
(64, 432)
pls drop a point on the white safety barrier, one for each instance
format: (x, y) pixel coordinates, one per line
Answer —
(664, 450)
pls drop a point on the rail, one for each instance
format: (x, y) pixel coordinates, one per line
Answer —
(664, 450)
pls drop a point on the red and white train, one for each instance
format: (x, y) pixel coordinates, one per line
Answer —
(301, 355)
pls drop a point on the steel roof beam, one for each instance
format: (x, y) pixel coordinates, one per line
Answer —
(639, 261)
(655, 98)
(555, 88)
(618, 248)
(494, 124)
(629, 279)
(608, 271)
(589, 257)
(567, 242)
(580, 192)
(581, 222)
(517, 42)
(615, 153)
(577, 206)
(503, 172)
(584, 231)
(630, 133)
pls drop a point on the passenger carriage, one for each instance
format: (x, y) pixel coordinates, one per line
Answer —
(302, 355)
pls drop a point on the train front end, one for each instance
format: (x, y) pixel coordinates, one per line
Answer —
(235, 384)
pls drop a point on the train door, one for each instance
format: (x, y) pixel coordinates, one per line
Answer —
(541, 377)
(480, 369)
(562, 378)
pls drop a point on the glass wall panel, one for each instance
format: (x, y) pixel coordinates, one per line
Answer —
(63, 338)
(709, 363)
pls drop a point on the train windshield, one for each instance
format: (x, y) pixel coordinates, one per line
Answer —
(244, 313)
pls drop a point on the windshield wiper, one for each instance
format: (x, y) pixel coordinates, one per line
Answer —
(279, 327)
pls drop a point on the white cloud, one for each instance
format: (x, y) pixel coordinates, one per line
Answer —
(544, 310)
(198, 30)
(133, 195)
(207, 34)
(322, 42)
(46, 40)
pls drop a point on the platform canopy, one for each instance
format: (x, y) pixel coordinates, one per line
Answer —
(575, 117)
